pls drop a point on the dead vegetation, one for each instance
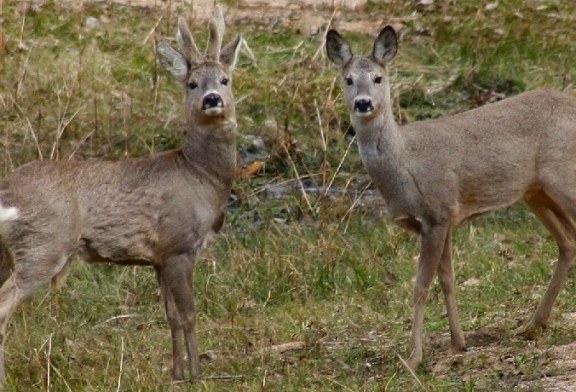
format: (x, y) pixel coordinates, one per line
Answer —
(308, 289)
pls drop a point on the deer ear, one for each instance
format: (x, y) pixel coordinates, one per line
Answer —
(386, 45)
(229, 53)
(337, 48)
(172, 61)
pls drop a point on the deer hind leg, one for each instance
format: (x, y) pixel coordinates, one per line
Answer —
(176, 278)
(563, 230)
(431, 248)
(446, 279)
(25, 279)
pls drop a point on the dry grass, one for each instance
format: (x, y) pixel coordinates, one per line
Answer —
(308, 288)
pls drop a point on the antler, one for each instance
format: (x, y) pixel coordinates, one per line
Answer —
(187, 45)
(217, 26)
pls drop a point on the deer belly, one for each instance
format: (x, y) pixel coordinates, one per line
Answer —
(120, 248)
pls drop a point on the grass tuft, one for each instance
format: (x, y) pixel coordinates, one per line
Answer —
(308, 288)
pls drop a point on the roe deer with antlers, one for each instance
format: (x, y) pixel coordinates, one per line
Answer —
(160, 211)
(434, 175)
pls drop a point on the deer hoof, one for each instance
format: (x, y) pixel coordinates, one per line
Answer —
(457, 349)
(413, 362)
(532, 331)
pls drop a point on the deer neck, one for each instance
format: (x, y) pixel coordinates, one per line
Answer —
(381, 145)
(379, 137)
(210, 152)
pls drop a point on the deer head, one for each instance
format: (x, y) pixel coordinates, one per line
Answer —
(206, 78)
(366, 84)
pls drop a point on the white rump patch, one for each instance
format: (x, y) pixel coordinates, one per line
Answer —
(8, 214)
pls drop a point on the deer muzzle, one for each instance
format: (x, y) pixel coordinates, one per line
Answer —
(212, 103)
(363, 105)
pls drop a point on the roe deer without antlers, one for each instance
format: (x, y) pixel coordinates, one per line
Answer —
(434, 175)
(159, 211)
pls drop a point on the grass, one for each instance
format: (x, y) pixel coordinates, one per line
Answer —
(308, 269)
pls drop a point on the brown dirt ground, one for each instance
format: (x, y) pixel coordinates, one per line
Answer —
(307, 16)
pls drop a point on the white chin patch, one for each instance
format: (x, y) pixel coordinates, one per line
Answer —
(215, 111)
(363, 114)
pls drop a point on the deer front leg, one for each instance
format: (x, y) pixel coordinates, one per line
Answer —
(176, 279)
(446, 278)
(432, 245)
(175, 328)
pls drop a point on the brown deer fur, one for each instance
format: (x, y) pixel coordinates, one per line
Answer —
(435, 175)
(159, 211)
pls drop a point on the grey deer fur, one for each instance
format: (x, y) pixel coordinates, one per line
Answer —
(434, 175)
(159, 211)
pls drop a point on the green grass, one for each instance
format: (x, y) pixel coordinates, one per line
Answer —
(307, 269)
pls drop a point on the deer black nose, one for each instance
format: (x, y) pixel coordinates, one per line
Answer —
(212, 100)
(363, 105)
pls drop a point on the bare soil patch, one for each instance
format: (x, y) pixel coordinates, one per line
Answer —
(308, 16)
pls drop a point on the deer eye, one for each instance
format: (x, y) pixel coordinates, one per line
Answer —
(192, 85)
(349, 81)
(378, 79)
(225, 81)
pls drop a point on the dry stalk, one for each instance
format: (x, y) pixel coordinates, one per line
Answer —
(63, 124)
(324, 145)
(120, 317)
(82, 141)
(153, 30)
(412, 373)
(339, 384)
(35, 137)
(48, 362)
(61, 376)
(226, 377)
(299, 179)
(340, 163)
(244, 48)
(320, 50)
(50, 366)
(121, 364)
(22, 75)
(354, 203)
